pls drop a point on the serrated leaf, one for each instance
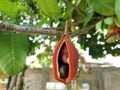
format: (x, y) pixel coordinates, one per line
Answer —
(50, 8)
(117, 9)
(13, 51)
(10, 8)
(103, 7)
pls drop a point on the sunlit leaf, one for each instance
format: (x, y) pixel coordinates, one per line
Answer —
(68, 13)
(111, 39)
(103, 7)
(13, 51)
(10, 8)
(98, 25)
(108, 21)
(50, 8)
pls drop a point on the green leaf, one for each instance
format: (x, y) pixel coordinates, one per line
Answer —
(117, 22)
(89, 14)
(98, 25)
(111, 39)
(96, 51)
(108, 21)
(68, 13)
(13, 51)
(104, 7)
(117, 9)
(10, 8)
(71, 12)
(82, 5)
(50, 8)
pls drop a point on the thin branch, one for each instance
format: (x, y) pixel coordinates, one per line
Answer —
(74, 23)
(69, 25)
(74, 7)
(66, 27)
(26, 29)
(84, 30)
(37, 30)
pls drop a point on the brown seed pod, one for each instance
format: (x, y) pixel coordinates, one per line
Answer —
(65, 60)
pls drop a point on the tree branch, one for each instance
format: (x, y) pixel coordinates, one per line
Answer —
(26, 29)
(69, 25)
(84, 30)
(37, 30)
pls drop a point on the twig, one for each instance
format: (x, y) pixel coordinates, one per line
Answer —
(66, 27)
(69, 25)
(74, 7)
(84, 30)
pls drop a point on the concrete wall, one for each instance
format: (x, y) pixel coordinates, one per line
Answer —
(3, 86)
(97, 78)
(102, 78)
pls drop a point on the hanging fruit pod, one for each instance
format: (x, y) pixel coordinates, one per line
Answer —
(65, 60)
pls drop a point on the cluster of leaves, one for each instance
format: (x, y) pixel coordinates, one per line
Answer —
(48, 13)
(96, 44)
(96, 40)
(43, 47)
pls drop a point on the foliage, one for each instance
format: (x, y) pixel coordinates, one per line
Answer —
(14, 49)
(101, 40)
(102, 7)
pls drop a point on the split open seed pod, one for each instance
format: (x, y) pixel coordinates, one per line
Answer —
(65, 60)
